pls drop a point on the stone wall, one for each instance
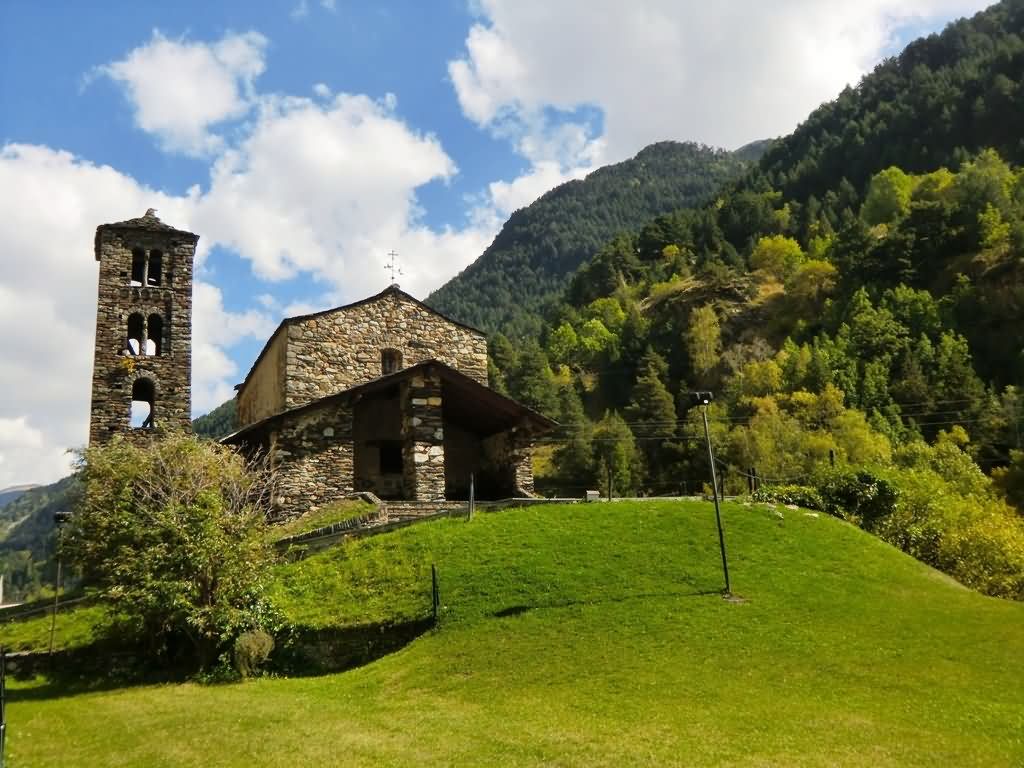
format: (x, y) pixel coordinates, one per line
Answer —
(114, 369)
(423, 435)
(333, 351)
(314, 459)
(511, 453)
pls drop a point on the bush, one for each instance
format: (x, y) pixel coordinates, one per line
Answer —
(861, 496)
(252, 649)
(979, 540)
(801, 495)
(171, 534)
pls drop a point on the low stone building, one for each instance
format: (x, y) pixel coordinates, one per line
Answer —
(384, 395)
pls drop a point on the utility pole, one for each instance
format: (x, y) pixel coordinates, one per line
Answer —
(59, 518)
(703, 399)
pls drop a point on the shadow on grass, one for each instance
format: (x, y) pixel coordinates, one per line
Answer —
(517, 610)
(302, 652)
(306, 652)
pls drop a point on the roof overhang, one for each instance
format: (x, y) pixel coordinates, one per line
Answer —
(465, 401)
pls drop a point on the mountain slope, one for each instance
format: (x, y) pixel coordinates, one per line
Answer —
(595, 635)
(543, 243)
(946, 96)
(7, 495)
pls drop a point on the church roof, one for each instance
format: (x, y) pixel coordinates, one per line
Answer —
(481, 405)
(148, 222)
(391, 289)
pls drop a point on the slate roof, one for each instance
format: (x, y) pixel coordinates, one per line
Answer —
(148, 222)
(490, 408)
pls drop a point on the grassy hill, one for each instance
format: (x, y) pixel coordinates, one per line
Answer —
(594, 635)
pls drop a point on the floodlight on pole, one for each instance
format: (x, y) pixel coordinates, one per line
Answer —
(703, 399)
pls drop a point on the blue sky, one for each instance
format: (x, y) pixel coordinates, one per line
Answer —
(304, 139)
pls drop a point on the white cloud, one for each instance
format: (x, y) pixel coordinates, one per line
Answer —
(181, 89)
(321, 188)
(53, 202)
(328, 189)
(216, 329)
(722, 73)
(25, 457)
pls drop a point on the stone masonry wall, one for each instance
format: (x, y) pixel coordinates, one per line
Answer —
(314, 458)
(512, 452)
(423, 438)
(114, 371)
(337, 350)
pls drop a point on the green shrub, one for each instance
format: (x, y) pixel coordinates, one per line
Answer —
(252, 649)
(979, 540)
(860, 496)
(801, 495)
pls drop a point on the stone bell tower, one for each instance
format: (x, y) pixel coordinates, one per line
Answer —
(142, 370)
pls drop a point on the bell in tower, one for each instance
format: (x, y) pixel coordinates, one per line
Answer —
(142, 369)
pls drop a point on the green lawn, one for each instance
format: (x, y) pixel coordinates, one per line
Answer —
(323, 517)
(592, 635)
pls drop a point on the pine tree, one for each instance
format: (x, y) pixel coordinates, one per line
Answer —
(574, 458)
(653, 415)
(615, 454)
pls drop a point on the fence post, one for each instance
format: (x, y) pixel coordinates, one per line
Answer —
(435, 595)
(3, 706)
(472, 496)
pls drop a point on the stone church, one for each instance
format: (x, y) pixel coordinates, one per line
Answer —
(383, 395)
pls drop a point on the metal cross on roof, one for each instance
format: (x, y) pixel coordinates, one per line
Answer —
(392, 265)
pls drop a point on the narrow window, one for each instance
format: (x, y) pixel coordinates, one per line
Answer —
(143, 404)
(156, 262)
(136, 334)
(390, 361)
(155, 335)
(391, 457)
(138, 267)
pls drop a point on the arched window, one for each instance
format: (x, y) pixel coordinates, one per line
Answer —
(155, 335)
(390, 361)
(138, 266)
(143, 404)
(136, 334)
(153, 273)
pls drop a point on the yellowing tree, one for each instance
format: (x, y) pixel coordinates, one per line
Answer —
(704, 340)
(888, 197)
(778, 255)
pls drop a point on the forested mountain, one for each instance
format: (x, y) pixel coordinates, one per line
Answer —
(218, 423)
(856, 300)
(945, 97)
(7, 495)
(27, 540)
(540, 245)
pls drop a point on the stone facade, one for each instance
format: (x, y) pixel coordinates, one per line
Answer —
(143, 327)
(417, 435)
(511, 452)
(313, 455)
(423, 437)
(319, 355)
